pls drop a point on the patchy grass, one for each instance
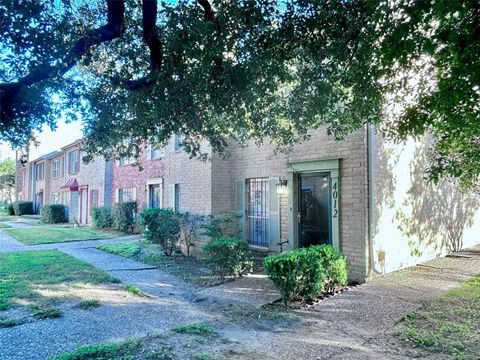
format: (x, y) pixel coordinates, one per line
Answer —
(88, 304)
(126, 249)
(195, 271)
(134, 290)
(11, 322)
(51, 234)
(24, 274)
(195, 329)
(166, 346)
(4, 226)
(103, 351)
(449, 324)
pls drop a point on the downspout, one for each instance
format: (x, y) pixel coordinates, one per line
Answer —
(371, 153)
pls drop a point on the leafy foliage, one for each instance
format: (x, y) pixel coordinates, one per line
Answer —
(124, 217)
(304, 273)
(53, 214)
(217, 226)
(10, 209)
(249, 70)
(228, 256)
(23, 208)
(161, 226)
(101, 217)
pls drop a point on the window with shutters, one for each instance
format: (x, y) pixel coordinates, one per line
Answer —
(126, 160)
(257, 211)
(126, 194)
(155, 152)
(93, 198)
(40, 171)
(73, 162)
(55, 169)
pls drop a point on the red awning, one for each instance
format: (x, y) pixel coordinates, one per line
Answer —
(71, 185)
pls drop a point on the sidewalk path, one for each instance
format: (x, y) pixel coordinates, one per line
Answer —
(357, 324)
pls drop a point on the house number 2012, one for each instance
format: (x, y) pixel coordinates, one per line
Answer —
(335, 199)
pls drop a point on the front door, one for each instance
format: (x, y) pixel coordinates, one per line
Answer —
(314, 226)
(154, 196)
(83, 206)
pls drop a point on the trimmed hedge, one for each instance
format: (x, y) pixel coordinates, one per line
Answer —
(303, 274)
(53, 214)
(161, 226)
(124, 217)
(101, 217)
(228, 256)
(23, 208)
(10, 209)
(335, 266)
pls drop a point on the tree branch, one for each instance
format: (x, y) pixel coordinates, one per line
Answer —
(210, 15)
(112, 30)
(150, 33)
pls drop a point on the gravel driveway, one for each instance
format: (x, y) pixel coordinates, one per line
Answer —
(356, 324)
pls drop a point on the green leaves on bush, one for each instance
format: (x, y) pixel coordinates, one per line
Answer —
(335, 266)
(124, 216)
(10, 209)
(53, 214)
(161, 226)
(101, 217)
(23, 208)
(303, 274)
(228, 256)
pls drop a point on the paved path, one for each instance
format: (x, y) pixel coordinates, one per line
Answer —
(357, 324)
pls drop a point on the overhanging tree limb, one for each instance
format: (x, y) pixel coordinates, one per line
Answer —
(113, 29)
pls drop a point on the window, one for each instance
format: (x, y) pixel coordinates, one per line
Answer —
(126, 194)
(55, 198)
(155, 196)
(40, 171)
(257, 211)
(125, 160)
(64, 197)
(93, 198)
(175, 143)
(64, 160)
(55, 170)
(155, 152)
(73, 164)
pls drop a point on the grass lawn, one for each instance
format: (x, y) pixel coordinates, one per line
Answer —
(4, 226)
(24, 275)
(193, 270)
(51, 234)
(449, 324)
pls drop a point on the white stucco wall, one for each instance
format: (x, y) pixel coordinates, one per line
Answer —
(415, 220)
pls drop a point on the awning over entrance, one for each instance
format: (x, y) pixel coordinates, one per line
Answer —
(71, 184)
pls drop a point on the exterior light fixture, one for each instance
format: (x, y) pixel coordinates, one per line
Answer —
(282, 187)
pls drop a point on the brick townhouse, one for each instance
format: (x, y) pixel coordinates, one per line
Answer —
(61, 178)
(364, 195)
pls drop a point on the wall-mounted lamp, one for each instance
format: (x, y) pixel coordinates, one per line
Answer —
(282, 187)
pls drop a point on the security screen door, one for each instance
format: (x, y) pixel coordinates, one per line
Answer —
(314, 225)
(258, 214)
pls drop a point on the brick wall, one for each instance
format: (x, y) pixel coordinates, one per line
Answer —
(251, 162)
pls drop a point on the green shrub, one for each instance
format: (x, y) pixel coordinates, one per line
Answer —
(228, 256)
(161, 226)
(23, 208)
(124, 217)
(53, 214)
(298, 274)
(335, 266)
(303, 274)
(217, 226)
(10, 209)
(101, 217)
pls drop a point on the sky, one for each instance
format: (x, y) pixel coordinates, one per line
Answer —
(49, 140)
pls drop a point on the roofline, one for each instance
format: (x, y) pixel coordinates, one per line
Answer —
(78, 141)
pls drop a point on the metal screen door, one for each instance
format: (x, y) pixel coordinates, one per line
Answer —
(257, 211)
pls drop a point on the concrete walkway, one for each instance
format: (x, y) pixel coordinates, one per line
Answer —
(357, 324)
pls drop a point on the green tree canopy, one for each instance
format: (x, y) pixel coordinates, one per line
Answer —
(250, 69)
